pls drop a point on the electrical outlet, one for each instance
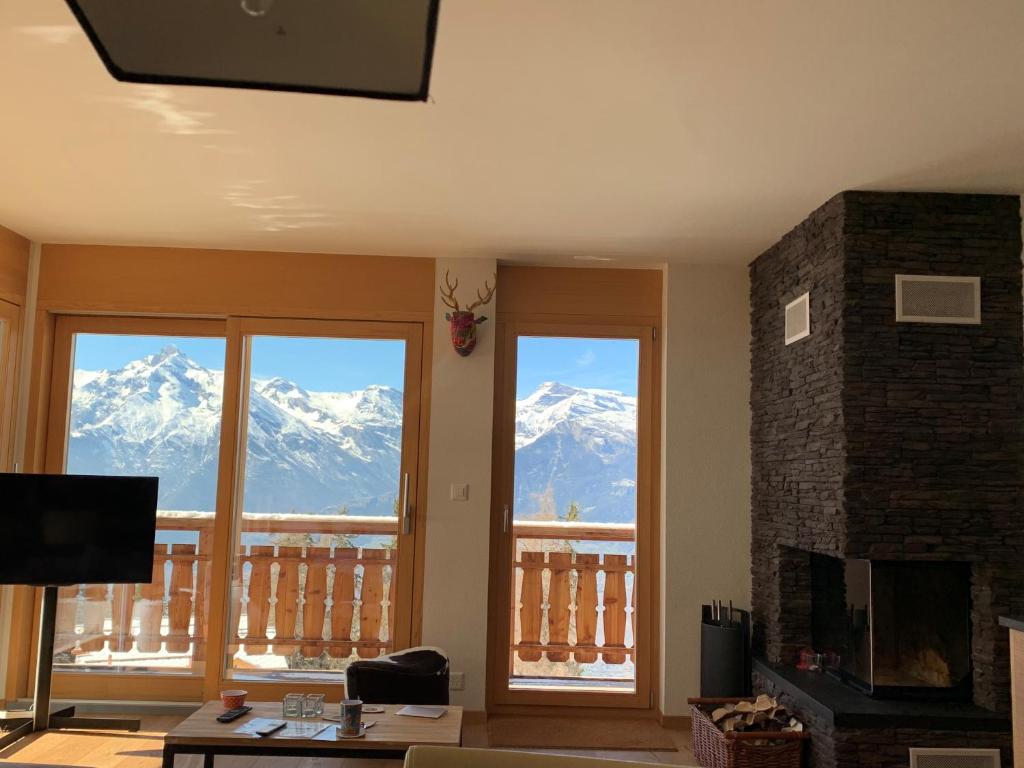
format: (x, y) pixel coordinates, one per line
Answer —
(460, 492)
(457, 681)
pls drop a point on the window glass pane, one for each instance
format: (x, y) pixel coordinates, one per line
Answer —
(313, 584)
(575, 512)
(147, 405)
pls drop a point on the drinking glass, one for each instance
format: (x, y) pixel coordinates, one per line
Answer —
(313, 705)
(292, 705)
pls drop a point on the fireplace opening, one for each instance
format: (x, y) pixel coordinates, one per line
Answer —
(895, 629)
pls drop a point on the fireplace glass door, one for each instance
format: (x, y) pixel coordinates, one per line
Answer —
(921, 625)
(905, 627)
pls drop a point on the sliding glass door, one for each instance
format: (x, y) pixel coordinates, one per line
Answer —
(326, 497)
(573, 499)
(288, 456)
(144, 400)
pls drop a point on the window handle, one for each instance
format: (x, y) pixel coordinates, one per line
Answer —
(406, 509)
(504, 525)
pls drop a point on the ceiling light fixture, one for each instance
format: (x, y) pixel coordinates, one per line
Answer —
(379, 50)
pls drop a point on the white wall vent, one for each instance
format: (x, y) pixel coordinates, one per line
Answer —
(938, 299)
(953, 758)
(798, 319)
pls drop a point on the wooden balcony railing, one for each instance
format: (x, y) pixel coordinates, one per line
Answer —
(317, 598)
(329, 598)
(561, 595)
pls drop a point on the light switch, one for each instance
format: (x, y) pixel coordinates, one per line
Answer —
(460, 492)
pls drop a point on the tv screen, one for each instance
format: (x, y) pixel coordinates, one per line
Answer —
(76, 529)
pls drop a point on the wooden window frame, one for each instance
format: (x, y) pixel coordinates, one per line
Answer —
(10, 348)
(186, 687)
(500, 696)
(67, 684)
(408, 591)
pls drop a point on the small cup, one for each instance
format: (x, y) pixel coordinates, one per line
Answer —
(351, 717)
(233, 699)
(292, 705)
(313, 706)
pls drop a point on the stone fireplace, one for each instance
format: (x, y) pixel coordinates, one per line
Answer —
(887, 475)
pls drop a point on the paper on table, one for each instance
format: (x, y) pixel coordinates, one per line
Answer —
(299, 729)
(414, 710)
(333, 733)
(293, 729)
(257, 724)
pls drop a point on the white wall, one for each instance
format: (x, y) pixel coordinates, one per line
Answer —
(461, 416)
(705, 510)
(706, 474)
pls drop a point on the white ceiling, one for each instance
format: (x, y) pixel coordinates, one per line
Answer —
(641, 130)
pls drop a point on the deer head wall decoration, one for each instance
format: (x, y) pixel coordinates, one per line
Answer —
(463, 321)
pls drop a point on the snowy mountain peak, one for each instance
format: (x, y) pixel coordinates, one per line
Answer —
(317, 452)
(279, 387)
(575, 444)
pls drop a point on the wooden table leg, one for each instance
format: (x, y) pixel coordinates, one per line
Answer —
(168, 761)
(208, 760)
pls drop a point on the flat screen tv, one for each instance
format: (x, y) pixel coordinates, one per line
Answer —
(76, 529)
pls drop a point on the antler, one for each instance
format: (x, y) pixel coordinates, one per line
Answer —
(449, 298)
(483, 299)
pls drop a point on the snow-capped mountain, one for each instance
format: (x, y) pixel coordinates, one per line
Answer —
(320, 451)
(307, 451)
(576, 445)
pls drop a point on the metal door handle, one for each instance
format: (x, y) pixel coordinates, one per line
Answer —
(504, 524)
(406, 509)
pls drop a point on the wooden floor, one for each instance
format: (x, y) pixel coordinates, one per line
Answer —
(143, 750)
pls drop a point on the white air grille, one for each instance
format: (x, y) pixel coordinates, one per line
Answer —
(938, 299)
(798, 318)
(953, 758)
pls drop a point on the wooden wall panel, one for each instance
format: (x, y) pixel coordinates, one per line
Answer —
(1017, 687)
(13, 267)
(183, 281)
(605, 295)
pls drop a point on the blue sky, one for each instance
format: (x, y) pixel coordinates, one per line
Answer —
(103, 352)
(346, 365)
(342, 365)
(595, 363)
(330, 365)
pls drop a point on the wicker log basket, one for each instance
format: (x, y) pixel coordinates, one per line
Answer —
(754, 749)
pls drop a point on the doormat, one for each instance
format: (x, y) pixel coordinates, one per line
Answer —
(578, 733)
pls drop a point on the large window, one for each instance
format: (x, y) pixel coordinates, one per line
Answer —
(147, 405)
(287, 453)
(573, 550)
(575, 512)
(315, 577)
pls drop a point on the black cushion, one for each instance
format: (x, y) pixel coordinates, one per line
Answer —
(417, 676)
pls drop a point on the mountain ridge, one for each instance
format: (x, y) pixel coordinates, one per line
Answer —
(324, 452)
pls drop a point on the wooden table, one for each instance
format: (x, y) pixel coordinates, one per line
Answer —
(390, 737)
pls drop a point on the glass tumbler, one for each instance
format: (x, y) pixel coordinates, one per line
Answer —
(292, 705)
(313, 706)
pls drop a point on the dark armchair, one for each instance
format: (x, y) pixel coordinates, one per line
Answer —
(414, 676)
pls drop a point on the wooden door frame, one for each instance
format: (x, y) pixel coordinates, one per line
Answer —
(499, 696)
(408, 591)
(10, 349)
